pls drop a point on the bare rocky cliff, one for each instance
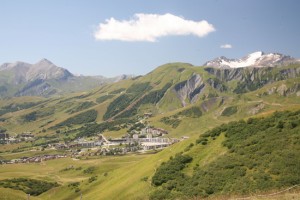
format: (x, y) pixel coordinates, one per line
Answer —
(256, 59)
(190, 89)
(249, 79)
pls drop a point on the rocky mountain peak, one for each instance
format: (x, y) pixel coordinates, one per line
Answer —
(44, 78)
(45, 61)
(45, 69)
(255, 59)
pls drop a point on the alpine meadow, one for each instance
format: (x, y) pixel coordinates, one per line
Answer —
(225, 128)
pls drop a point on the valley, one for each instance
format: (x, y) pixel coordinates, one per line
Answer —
(150, 100)
(118, 140)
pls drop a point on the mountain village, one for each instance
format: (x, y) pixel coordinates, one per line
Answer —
(148, 139)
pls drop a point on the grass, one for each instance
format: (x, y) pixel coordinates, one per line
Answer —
(119, 175)
(30, 153)
(10, 194)
(115, 134)
(124, 174)
(204, 154)
(216, 170)
(126, 183)
(53, 171)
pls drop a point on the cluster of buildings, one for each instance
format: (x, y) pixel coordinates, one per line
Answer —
(78, 143)
(123, 145)
(35, 159)
(148, 143)
(5, 138)
(154, 132)
(148, 138)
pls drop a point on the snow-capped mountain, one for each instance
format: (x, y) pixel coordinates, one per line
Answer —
(256, 59)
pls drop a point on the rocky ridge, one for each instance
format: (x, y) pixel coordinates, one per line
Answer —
(46, 79)
(256, 59)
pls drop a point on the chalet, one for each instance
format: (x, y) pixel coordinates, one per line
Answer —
(154, 131)
(147, 115)
(76, 145)
(26, 136)
(135, 136)
(153, 146)
(87, 144)
(4, 136)
(185, 137)
(60, 146)
(117, 141)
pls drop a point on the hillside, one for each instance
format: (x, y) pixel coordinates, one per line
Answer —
(182, 99)
(258, 155)
(170, 93)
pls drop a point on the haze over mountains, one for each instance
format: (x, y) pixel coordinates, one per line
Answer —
(44, 69)
(184, 100)
(45, 79)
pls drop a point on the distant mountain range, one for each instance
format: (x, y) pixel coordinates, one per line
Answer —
(45, 79)
(256, 59)
(44, 69)
(184, 100)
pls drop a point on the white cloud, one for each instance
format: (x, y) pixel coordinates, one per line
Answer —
(149, 27)
(226, 46)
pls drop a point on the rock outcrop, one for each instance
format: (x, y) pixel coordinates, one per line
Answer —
(257, 59)
(284, 90)
(189, 89)
(250, 79)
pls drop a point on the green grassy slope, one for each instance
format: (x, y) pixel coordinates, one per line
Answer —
(131, 181)
(245, 157)
(129, 177)
(10, 194)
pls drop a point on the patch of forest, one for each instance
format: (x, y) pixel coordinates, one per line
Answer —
(175, 120)
(29, 186)
(81, 118)
(263, 154)
(152, 97)
(13, 107)
(123, 101)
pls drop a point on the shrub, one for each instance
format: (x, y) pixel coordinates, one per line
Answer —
(84, 117)
(92, 179)
(229, 111)
(173, 122)
(193, 112)
(170, 170)
(104, 98)
(30, 186)
(30, 117)
(82, 106)
(89, 170)
(264, 154)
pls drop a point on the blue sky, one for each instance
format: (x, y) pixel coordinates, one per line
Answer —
(63, 31)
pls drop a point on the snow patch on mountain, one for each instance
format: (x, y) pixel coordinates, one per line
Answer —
(256, 59)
